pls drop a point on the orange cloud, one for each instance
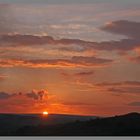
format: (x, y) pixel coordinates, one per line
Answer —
(73, 62)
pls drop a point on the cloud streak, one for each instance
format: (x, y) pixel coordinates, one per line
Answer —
(32, 40)
(44, 63)
(124, 83)
(128, 87)
(85, 73)
(121, 90)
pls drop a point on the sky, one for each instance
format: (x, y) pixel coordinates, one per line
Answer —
(70, 57)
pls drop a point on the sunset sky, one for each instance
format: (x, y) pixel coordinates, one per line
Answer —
(70, 56)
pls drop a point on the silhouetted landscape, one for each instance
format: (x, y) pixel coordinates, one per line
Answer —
(10, 123)
(69, 125)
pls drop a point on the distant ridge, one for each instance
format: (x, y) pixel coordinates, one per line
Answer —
(132, 114)
(121, 125)
(12, 122)
(69, 125)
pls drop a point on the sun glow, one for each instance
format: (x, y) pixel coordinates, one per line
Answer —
(45, 113)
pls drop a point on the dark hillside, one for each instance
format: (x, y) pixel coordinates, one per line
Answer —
(124, 125)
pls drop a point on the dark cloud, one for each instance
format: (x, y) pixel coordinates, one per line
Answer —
(32, 95)
(122, 45)
(134, 104)
(135, 83)
(81, 45)
(124, 27)
(71, 75)
(18, 39)
(135, 90)
(85, 73)
(124, 83)
(121, 87)
(4, 95)
(36, 95)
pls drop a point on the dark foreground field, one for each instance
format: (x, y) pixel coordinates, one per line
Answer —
(65, 125)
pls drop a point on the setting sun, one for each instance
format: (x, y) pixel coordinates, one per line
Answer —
(45, 113)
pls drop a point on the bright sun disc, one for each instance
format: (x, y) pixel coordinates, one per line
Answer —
(45, 113)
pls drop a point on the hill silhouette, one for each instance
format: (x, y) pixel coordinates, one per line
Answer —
(69, 125)
(123, 125)
(9, 123)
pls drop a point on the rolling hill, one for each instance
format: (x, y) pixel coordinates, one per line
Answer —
(11, 122)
